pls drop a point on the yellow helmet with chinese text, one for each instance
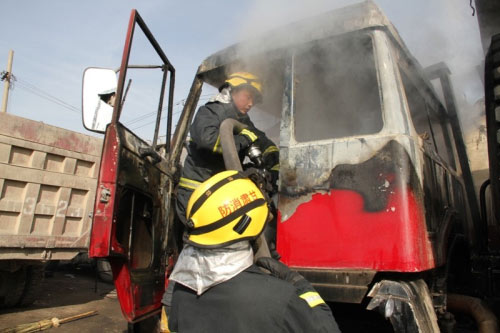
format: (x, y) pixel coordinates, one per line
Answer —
(246, 79)
(225, 209)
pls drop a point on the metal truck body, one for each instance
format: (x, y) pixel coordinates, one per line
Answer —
(48, 179)
(372, 193)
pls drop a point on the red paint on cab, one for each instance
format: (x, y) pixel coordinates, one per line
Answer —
(102, 223)
(334, 231)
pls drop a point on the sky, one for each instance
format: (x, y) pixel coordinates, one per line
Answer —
(55, 40)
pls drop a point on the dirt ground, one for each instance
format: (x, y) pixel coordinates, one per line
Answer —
(71, 291)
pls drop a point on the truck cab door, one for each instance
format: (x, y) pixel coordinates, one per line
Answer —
(133, 211)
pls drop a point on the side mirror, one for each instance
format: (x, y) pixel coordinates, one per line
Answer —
(98, 98)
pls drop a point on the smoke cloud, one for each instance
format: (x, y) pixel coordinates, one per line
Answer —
(434, 31)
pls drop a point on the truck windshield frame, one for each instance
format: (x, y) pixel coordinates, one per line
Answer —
(336, 89)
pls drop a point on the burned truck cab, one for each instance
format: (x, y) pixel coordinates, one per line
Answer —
(369, 184)
(367, 164)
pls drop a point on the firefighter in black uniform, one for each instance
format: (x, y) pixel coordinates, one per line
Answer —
(218, 288)
(237, 96)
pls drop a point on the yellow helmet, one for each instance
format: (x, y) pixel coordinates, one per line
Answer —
(246, 79)
(225, 209)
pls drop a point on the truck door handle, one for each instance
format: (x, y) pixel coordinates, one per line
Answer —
(148, 151)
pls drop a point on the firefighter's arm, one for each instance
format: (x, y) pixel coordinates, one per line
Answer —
(306, 311)
(205, 128)
(271, 157)
(205, 132)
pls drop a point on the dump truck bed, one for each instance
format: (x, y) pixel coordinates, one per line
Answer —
(48, 179)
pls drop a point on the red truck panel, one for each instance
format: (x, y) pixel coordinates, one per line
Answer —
(333, 231)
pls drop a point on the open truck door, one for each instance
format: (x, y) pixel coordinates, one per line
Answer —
(133, 210)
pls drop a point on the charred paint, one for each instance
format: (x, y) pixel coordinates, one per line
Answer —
(369, 215)
(129, 227)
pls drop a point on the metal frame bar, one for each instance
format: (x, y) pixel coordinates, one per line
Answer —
(442, 72)
(160, 107)
(135, 18)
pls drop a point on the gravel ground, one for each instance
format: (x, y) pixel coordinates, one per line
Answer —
(71, 291)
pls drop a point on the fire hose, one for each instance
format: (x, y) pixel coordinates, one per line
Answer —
(227, 129)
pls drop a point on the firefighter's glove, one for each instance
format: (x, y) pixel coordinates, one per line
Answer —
(249, 136)
(280, 270)
(261, 178)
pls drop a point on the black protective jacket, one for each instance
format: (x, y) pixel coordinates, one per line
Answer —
(204, 151)
(251, 302)
(204, 157)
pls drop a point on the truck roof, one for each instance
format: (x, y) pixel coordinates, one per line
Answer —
(362, 16)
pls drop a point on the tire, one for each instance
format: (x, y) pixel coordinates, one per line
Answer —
(12, 286)
(32, 288)
(104, 270)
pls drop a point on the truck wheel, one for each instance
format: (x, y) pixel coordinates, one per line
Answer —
(32, 286)
(12, 287)
(104, 270)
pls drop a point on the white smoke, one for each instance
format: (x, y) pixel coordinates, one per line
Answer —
(434, 31)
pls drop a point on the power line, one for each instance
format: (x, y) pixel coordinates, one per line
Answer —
(154, 113)
(142, 117)
(45, 95)
(33, 89)
(139, 118)
(154, 121)
(48, 99)
(48, 95)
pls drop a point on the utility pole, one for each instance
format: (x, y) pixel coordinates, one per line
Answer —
(7, 77)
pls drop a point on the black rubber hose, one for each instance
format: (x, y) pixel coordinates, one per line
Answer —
(485, 318)
(227, 129)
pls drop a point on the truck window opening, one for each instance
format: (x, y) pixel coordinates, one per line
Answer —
(336, 89)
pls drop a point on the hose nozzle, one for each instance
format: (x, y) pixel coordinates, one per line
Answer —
(255, 155)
